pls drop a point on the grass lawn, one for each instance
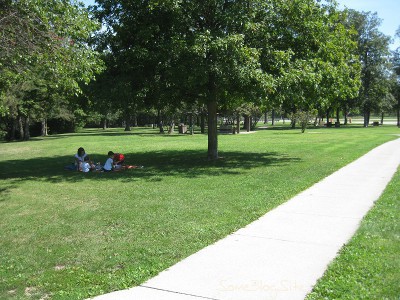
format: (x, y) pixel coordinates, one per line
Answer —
(69, 235)
(368, 266)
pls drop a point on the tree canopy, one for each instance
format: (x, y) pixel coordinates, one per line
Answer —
(226, 53)
(164, 57)
(45, 52)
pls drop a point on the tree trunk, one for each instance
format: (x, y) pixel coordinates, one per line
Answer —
(13, 129)
(338, 115)
(20, 128)
(191, 127)
(212, 129)
(127, 122)
(160, 121)
(238, 124)
(382, 118)
(44, 127)
(367, 114)
(327, 116)
(246, 124)
(203, 123)
(398, 116)
(273, 117)
(266, 117)
(293, 119)
(27, 134)
(104, 123)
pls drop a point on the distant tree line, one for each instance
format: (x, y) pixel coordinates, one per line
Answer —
(163, 62)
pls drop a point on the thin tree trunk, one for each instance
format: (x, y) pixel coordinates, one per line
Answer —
(382, 116)
(191, 127)
(367, 114)
(135, 121)
(203, 122)
(293, 121)
(338, 115)
(160, 122)
(27, 134)
(246, 123)
(20, 128)
(327, 116)
(127, 122)
(13, 129)
(238, 124)
(212, 129)
(43, 131)
(273, 117)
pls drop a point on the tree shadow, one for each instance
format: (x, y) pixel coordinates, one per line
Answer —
(310, 127)
(157, 166)
(112, 133)
(5, 191)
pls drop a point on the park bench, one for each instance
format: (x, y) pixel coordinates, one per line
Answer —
(227, 128)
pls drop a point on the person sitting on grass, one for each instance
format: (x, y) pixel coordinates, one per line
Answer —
(79, 158)
(109, 165)
(118, 160)
(87, 165)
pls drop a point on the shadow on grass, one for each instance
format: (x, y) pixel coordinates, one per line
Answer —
(5, 191)
(157, 166)
(288, 127)
(115, 132)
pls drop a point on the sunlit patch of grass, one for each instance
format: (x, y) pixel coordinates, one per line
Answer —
(368, 266)
(110, 231)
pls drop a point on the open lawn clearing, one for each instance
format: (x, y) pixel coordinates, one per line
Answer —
(68, 235)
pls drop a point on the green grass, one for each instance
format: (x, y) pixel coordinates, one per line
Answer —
(68, 235)
(368, 266)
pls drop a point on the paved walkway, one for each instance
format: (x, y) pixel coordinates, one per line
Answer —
(282, 254)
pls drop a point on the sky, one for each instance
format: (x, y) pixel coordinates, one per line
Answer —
(387, 10)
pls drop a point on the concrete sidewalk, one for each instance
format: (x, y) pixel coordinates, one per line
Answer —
(282, 254)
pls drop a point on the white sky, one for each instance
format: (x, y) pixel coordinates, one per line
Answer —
(387, 10)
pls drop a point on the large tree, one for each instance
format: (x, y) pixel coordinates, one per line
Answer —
(44, 48)
(311, 54)
(185, 50)
(139, 35)
(374, 55)
(396, 65)
(227, 53)
(218, 62)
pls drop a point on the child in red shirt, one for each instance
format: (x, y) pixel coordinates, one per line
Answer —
(118, 159)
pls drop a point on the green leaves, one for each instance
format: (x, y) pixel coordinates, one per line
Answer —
(46, 52)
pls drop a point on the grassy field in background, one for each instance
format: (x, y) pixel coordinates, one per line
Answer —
(69, 235)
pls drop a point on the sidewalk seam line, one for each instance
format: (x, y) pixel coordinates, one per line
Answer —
(282, 240)
(175, 292)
